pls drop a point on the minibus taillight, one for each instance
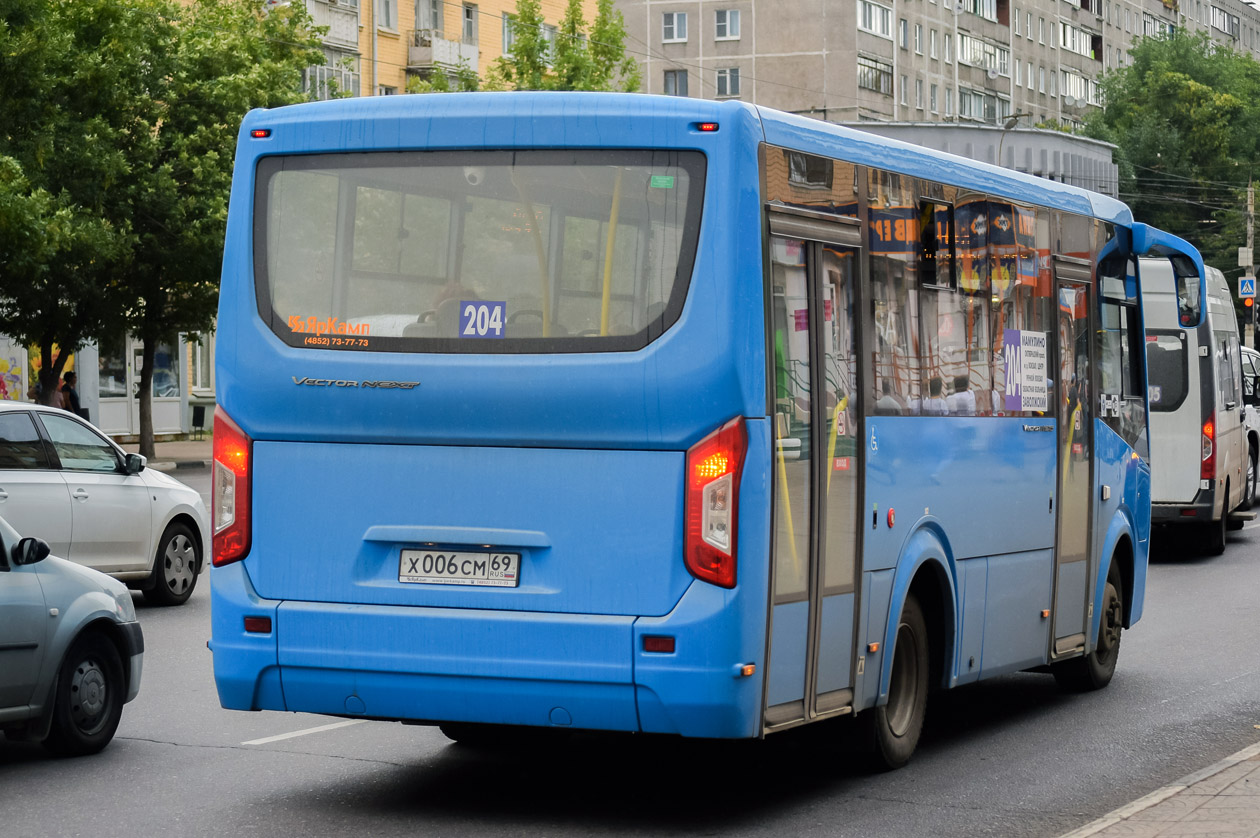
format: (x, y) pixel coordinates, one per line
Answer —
(714, 465)
(1207, 465)
(233, 452)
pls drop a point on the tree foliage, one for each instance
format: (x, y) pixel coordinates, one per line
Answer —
(574, 59)
(1186, 118)
(118, 122)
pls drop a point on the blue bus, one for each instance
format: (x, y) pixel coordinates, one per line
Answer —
(653, 414)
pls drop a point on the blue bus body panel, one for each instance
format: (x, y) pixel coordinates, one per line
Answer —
(599, 532)
(1123, 516)
(709, 367)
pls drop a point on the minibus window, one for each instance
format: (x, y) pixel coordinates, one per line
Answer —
(479, 252)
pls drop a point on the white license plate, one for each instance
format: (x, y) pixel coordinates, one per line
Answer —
(451, 567)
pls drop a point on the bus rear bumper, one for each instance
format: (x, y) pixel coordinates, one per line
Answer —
(508, 667)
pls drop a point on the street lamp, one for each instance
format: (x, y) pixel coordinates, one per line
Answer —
(1011, 122)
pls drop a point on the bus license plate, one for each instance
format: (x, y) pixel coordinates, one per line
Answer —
(443, 567)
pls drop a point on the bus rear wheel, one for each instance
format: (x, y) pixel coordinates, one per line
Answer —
(891, 732)
(1093, 671)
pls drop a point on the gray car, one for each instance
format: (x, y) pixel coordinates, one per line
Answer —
(71, 650)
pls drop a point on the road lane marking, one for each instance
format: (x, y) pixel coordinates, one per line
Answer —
(267, 739)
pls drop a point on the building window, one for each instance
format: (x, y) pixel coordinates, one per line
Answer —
(875, 18)
(386, 90)
(949, 101)
(429, 15)
(918, 39)
(1041, 30)
(387, 14)
(509, 32)
(1028, 25)
(726, 25)
(1041, 79)
(903, 34)
(978, 53)
(470, 24)
(1029, 80)
(728, 82)
(949, 48)
(874, 75)
(675, 82)
(932, 99)
(1015, 20)
(674, 27)
(905, 83)
(986, 9)
(918, 93)
(932, 44)
(1019, 80)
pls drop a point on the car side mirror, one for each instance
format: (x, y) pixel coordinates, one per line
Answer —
(135, 463)
(30, 551)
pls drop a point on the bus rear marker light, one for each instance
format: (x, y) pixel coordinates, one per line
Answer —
(661, 643)
(872, 647)
(260, 133)
(258, 625)
(1045, 613)
(747, 669)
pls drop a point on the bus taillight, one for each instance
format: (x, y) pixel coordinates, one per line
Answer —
(233, 452)
(714, 465)
(1207, 466)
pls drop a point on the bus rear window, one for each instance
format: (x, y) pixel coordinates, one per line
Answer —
(491, 251)
(1166, 370)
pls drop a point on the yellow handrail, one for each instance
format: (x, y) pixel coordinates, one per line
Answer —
(608, 253)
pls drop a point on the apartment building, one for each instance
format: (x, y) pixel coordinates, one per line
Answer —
(373, 46)
(911, 60)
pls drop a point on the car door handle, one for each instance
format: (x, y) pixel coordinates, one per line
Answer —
(3, 495)
(1231, 405)
(79, 494)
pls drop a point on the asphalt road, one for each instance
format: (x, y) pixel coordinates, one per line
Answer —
(1010, 757)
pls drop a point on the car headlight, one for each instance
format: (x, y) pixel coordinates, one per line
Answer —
(126, 607)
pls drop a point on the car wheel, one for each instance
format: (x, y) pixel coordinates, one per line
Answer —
(175, 567)
(89, 698)
(892, 730)
(1094, 670)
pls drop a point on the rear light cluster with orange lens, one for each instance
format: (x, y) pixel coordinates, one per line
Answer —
(233, 458)
(1207, 464)
(714, 465)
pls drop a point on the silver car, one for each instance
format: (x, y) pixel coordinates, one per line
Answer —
(99, 506)
(71, 650)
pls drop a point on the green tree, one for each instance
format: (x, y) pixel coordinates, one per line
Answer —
(227, 56)
(120, 118)
(574, 60)
(1186, 118)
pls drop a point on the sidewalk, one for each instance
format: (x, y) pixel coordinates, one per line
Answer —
(1221, 801)
(179, 454)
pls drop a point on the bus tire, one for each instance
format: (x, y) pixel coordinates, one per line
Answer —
(1249, 491)
(1093, 671)
(1215, 536)
(892, 730)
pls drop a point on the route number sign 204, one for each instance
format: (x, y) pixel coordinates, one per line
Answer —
(450, 567)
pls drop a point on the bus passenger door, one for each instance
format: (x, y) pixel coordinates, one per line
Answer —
(814, 269)
(1076, 457)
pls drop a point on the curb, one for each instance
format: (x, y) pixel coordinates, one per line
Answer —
(1162, 794)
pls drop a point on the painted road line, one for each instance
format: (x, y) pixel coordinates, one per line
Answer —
(267, 739)
(1160, 795)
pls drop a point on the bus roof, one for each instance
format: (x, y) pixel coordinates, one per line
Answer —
(553, 119)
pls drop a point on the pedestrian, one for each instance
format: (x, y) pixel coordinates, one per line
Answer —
(70, 396)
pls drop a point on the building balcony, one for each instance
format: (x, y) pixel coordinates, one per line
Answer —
(427, 50)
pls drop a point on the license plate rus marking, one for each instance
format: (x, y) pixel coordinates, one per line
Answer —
(451, 567)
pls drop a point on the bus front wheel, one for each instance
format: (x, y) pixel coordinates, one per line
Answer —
(892, 730)
(1093, 671)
